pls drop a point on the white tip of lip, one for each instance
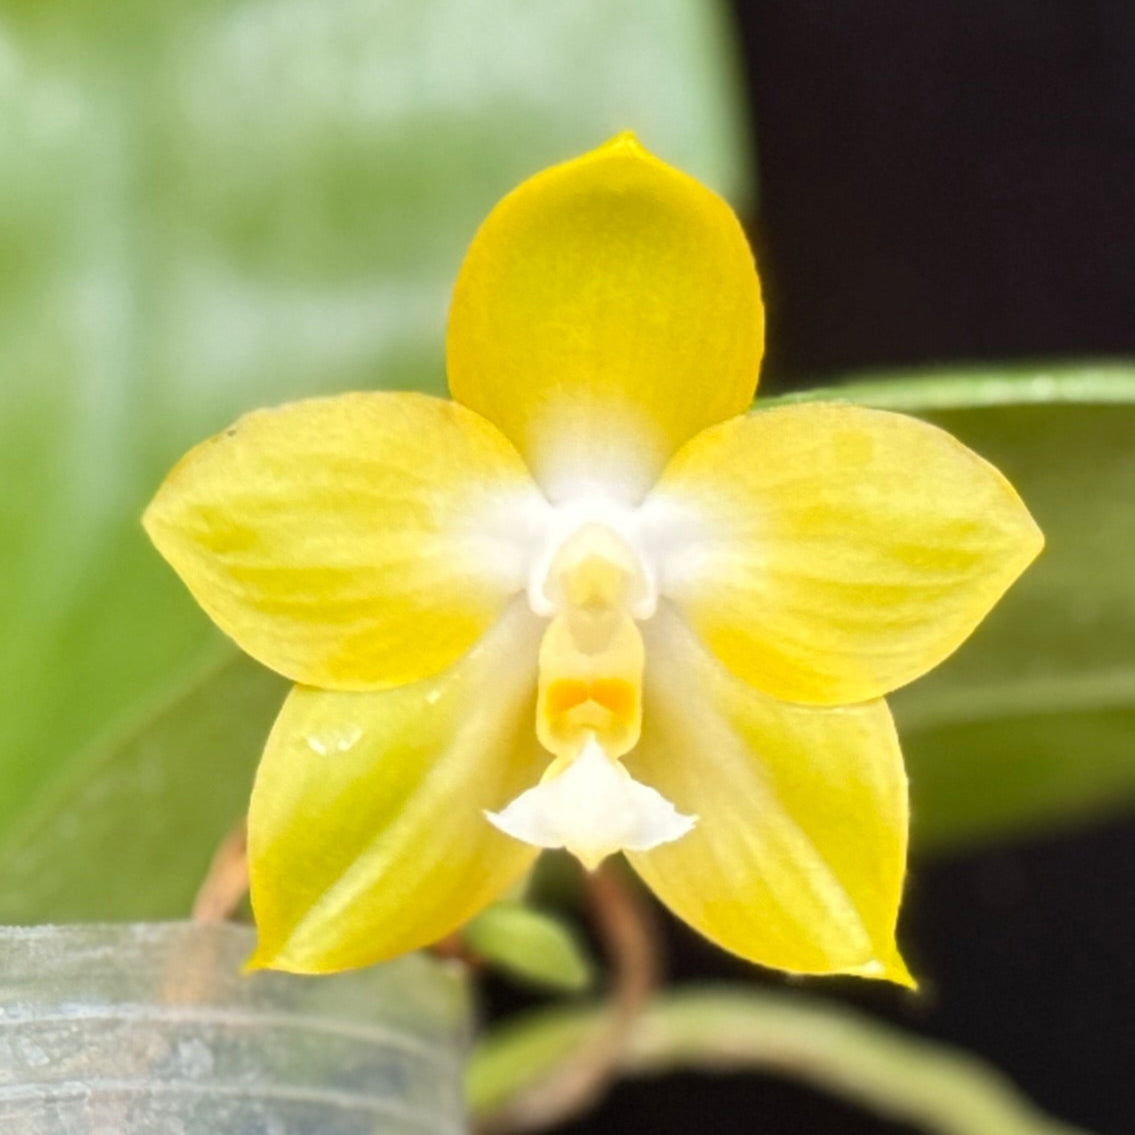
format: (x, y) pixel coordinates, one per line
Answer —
(593, 808)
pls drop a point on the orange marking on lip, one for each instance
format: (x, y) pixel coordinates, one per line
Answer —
(614, 695)
(565, 695)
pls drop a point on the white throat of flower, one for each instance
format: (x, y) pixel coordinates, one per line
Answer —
(593, 584)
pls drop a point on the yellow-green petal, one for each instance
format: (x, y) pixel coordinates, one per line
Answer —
(352, 542)
(606, 311)
(832, 553)
(366, 831)
(798, 855)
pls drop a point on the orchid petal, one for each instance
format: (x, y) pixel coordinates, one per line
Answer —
(353, 542)
(831, 553)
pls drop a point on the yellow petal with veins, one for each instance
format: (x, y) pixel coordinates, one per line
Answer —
(352, 542)
(606, 311)
(831, 553)
(367, 834)
(798, 855)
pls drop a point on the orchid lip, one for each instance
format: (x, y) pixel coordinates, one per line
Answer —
(593, 808)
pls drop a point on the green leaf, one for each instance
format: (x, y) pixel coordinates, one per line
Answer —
(530, 945)
(211, 206)
(131, 832)
(735, 1029)
(1029, 725)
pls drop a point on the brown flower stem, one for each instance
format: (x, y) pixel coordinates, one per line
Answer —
(226, 882)
(629, 938)
(452, 948)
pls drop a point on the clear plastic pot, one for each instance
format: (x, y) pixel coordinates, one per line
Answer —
(153, 1030)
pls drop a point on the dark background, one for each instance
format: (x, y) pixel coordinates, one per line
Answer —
(943, 181)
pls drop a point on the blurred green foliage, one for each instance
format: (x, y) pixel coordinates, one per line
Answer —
(210, 206)
(530, 945)
(726, 1028)
(207, 207)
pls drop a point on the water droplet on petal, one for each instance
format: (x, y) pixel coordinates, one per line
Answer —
(335, 740)
(349, 737)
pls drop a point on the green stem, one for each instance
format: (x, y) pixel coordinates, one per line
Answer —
(942, 1090)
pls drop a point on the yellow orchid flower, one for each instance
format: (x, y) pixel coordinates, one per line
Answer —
(591, 602)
